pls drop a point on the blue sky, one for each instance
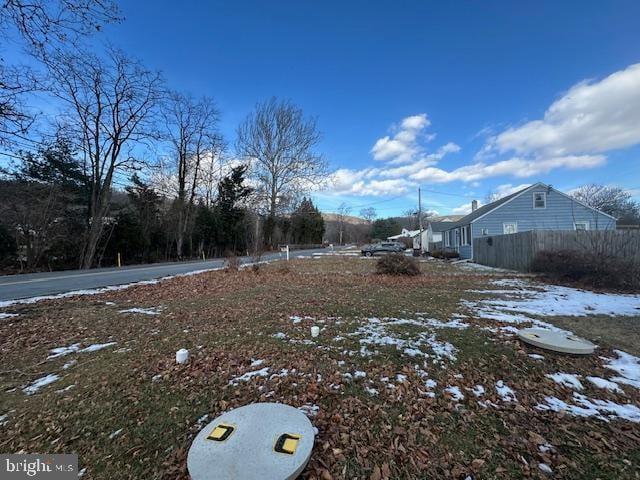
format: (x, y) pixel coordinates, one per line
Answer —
(485, 86)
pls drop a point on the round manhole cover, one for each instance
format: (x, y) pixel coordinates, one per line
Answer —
(562, 342)
(266, 441)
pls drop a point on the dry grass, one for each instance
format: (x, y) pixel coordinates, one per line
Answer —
(227, 318)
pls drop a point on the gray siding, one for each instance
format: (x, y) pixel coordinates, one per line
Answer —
(560, 214)
(465, 251)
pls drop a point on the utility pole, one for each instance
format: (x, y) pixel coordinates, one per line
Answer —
(420, 219)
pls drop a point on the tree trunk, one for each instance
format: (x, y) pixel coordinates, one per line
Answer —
(95, 231)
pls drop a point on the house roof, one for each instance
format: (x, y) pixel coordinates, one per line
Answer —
(405, 234)
(478, 212)
(440, 226)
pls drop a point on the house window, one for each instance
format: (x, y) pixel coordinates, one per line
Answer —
(581, 226)
(539, 200)
(510, 227)
(466, 235)
(485, 231)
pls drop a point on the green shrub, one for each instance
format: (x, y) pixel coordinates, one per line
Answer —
(397, 264)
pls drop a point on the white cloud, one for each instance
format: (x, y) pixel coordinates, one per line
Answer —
(464, 209)
(516, 167)
(507, 189)
(416, 122)
(403, 146)
(576, 131)
(362, 182)
(592, 117)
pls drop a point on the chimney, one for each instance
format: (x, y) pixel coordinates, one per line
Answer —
(474, 205)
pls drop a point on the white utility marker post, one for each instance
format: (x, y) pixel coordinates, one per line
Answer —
(256, 442)
(286, 250)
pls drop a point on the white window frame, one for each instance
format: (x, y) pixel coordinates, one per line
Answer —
(504, 227)
(544, 198)
(585, 223)
(466, 235)
(484, 231)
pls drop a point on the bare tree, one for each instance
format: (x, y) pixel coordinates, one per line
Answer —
(343, 212)
(15, 119)
(109, 103)
(611, 200)
(192, 132)
(216, 166)
(492, 196)
(279, 142)
(369, 214)
(46, 22)
(42, 25)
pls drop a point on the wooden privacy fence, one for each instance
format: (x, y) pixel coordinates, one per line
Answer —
(517, 251)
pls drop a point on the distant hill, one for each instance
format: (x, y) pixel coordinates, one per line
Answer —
(333, 217)
(445, 218)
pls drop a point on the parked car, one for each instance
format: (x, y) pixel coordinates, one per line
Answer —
(383, 247)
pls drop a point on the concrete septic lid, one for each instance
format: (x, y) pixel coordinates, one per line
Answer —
(266, 441)
(562, 342)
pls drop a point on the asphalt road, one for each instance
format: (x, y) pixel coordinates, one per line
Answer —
(13, 287)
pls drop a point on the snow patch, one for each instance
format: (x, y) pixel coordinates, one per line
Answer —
(371, 391)
(627, 366)
(545, 468)
(379, 332)
(40, 383)
(263, 372)
(478, 390)
(62, 351)
(585, 407)
(69, 364)
(605, 384)
(143, 311)
(566, 379)
(97, 346)
(505, 392)
(455, 392)
(554, 300)
(310, 410)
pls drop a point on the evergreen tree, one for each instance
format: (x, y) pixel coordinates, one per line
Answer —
(232, 192)
(385, 227)
(146, 204)
(307, 224)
